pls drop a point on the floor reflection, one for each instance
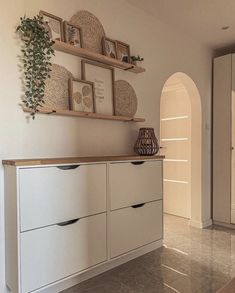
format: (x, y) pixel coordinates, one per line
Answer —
(191, 260)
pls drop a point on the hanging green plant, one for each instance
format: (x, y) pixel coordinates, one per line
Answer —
(37, 52)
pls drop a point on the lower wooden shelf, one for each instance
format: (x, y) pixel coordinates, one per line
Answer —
(86, 115)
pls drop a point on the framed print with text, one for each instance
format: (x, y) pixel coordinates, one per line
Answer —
(103, 78)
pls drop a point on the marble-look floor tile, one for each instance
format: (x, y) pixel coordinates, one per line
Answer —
(211, 287)
(100, 284)
(191, 261)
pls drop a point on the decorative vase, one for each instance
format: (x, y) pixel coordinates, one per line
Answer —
(147, 143)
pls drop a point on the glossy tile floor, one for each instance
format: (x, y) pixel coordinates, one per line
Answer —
(192, 260)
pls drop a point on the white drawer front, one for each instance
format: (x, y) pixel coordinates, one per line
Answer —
(52, 253)
(50, 195)
(135, 227)
(132, 184)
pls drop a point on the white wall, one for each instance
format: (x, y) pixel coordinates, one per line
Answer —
(165, 50)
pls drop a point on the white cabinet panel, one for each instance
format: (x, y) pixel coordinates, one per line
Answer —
(52, 253)
(174, 105)
(175, 193)
(135, 227)
(50, 195)
(222, 85)
(176, 128)
(133, 184)
(178, 149)
(233, 143)
(177, 170)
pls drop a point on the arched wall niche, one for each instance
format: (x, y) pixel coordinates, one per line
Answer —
(196, 143)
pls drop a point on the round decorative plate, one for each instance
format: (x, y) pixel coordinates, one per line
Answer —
(125, 99)
(92, 30)
(56, 90)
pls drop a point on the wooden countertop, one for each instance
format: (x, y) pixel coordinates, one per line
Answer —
(77, 160)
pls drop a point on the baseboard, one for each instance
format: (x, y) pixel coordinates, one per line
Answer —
(227, 225)
(201, 225)
(99, 269)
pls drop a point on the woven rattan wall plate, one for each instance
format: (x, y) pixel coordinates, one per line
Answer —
(56, 91)
(125, 99)
(92, 30)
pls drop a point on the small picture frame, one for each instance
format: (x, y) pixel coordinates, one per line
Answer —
(81, 95)
(73, 34)
(103, 77)
(109, 47)
(54, 25)
(123, 52)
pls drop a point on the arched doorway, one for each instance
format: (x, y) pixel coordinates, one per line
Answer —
(181, 139)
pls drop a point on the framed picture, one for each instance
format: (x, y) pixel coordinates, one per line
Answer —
(54, 25)
(123, 52)
(103, 78)
(81, 95)
(73, 34)
(109, 47)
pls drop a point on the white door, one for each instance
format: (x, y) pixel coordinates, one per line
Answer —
(176, 146)
(233, 162)
(233, 145)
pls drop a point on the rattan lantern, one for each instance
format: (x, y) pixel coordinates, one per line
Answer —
(147, 143)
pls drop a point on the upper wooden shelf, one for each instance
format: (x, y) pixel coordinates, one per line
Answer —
(84, 53)
(86, 115)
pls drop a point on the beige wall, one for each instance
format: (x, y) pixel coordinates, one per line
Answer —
(165, 50)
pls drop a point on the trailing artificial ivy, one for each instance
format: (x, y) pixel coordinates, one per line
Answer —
(36, 55)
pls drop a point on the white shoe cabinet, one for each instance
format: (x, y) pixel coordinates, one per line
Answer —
(77, 216)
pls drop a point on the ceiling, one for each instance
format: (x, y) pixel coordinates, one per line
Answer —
(202, 19)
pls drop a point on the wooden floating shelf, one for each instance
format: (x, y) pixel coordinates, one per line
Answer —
(86, 115)
(84, 53)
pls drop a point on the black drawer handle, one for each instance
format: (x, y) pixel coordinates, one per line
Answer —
(68, 222)
(138, 163)
(69, 167)
(136, 206)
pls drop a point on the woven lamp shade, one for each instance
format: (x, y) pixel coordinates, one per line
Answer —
(147, 143)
